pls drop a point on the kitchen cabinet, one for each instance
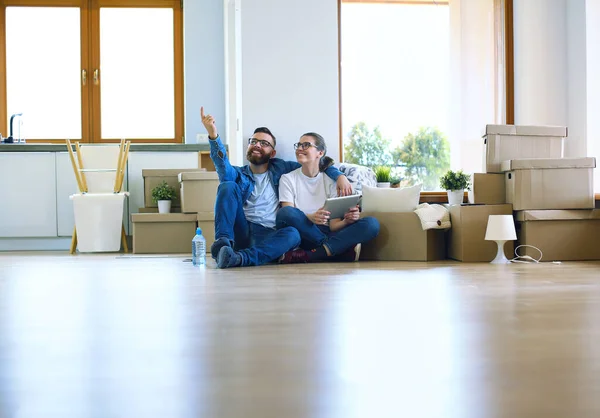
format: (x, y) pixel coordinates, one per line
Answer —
(66, 185)
(28, 191)
(38, 180)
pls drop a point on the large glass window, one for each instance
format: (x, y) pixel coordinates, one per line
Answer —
(42, 71)
(92, 70)
(136, 55)
(419, 82)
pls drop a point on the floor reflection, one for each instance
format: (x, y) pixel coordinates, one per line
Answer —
(115, 337)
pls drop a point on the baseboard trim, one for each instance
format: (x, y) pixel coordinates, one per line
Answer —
(41, 244)
(35, 244)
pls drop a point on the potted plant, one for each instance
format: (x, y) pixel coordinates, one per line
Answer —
(163, 194)
(395, 182)
(383, 174)
(455, 183)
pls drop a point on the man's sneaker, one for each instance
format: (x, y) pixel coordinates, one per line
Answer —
(218, 244)
(228, 258)
(294, 256)
(351, 255)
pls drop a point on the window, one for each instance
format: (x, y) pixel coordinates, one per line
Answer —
(419, 82)
(93, 70)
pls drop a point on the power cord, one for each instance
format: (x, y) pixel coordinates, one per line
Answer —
(526, 258)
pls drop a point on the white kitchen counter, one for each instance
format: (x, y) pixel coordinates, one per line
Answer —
(36, 185)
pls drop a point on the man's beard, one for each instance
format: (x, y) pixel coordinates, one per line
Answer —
(257, 159)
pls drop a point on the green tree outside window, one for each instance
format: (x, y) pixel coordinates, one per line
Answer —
(422, 157)
(425, 157)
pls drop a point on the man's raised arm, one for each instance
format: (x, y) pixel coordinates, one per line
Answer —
(218, 153)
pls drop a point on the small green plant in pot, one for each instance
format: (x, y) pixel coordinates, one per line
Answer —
(395, 182)
(383, 174)
(455, 183)
(163, 194)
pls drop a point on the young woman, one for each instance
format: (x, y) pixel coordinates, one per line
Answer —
(302, 194)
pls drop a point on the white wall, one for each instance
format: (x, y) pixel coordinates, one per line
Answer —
(267, 63)
(593, 84)
(575, 145)
(540, 59)
(204, 64)
(290, 70)
(233, 76)
(552, 67)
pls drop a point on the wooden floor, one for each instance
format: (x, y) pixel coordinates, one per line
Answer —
(126, 336)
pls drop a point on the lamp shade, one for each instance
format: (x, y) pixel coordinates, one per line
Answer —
(500, 228)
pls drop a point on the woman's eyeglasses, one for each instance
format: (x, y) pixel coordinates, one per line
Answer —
(304, 145)
(261, 142)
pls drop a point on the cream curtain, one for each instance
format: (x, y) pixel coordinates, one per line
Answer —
(500, 53)
(477, 96)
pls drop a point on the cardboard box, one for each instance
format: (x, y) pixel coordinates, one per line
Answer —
(466, 238)
(542, 183)
(487, 188)
(198, 191)
(561, 235)
(206, 221)
(205, 162)
(401, 238)
(154, 177)
(511, 142)
(169, 233)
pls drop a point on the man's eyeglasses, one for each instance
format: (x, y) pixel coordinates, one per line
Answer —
(304, 145)
(261, 142)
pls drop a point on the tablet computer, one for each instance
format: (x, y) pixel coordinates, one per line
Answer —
(338, 206)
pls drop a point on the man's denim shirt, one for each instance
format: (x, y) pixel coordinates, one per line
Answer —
(243, 175)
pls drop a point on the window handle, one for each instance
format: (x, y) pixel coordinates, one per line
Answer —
(96, 77)
(84, 77)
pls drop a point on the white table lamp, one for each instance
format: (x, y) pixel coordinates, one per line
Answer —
(500, 228)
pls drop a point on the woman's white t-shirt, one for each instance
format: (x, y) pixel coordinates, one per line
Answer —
(306, 193)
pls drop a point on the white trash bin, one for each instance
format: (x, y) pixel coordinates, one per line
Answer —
(98, 220)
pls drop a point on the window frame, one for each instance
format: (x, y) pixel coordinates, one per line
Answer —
(90, 60)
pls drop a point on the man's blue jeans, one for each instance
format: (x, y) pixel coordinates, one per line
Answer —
(314, 236)
(256, 244)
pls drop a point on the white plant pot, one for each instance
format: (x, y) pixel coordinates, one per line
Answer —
(164, 206)
(383, 185)
(455, 197)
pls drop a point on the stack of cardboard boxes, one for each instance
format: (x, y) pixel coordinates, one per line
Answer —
(193, 206)
(550, 197)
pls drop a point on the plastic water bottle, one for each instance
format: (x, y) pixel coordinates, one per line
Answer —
(198, 249)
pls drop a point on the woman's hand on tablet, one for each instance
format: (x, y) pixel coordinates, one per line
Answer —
(320, 217)
(352, 215)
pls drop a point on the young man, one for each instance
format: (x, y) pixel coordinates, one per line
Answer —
(248, 199)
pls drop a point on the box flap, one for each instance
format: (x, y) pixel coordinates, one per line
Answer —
(533, 163)
(168, 172)
(205, 216)
(529, 130)
(195, 175)
(555, 215)
(163, 217)
(499, 130)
